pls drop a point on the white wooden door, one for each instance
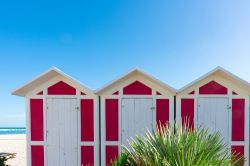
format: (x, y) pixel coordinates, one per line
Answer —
(136, 117)
(61, 136)
(214, 115)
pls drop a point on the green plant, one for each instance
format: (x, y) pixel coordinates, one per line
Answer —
(121, 160)
(177, 146)
(6, 156)
(3, 161)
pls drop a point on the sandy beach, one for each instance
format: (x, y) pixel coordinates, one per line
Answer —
(15, 143)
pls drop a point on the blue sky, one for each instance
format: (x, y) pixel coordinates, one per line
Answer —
(97, 41)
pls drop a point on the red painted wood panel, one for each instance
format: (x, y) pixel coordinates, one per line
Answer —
(111, 119)
(234, 93)
(87, 155)
(61, 88)
(212, 88)
(87, 120)
(191, 93)
(162, 111)
(37, 155)
(116, 93)
(137, 88)
(158, 93)
(238, 119)
(187, 112)
(40, 93)
(238, 151)
(111, 154)
(36, 119)
(82, 93)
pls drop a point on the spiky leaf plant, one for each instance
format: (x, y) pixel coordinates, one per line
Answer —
(177, 146)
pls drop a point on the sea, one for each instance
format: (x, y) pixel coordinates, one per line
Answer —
(12, 130)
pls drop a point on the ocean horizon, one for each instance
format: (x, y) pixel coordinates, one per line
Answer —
(12, 130)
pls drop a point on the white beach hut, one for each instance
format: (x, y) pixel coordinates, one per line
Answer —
(129, 105)
(219, 101)
(61, 121)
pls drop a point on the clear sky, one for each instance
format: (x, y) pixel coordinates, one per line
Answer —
(97, 41)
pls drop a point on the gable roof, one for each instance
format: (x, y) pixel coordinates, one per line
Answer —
(222, 72)
(129, 74)
(44, 77)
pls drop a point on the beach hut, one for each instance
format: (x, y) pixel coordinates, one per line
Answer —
(61, 121)
(219, 101)
(129, 105)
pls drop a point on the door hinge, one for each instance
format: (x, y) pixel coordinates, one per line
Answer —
(77, 108)
(47, 107)
(152, 108)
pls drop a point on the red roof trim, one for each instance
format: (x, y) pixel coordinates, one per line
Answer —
(213, 88)
(137, 88)
(61, 88)
(116, 93)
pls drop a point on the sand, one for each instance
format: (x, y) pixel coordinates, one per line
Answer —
(15, 143)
